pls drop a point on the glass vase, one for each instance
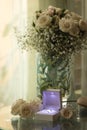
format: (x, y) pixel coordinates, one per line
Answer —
(53, 74)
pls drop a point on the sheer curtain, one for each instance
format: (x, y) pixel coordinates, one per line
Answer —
(32, 6)
(13, 63)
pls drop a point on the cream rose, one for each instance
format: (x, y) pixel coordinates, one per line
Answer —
(55, 9)
(82, 101)
(25, 110)
(43, 21)
(66, 11)
(59, 11)
(65, 24)
(67, 16)
(74, 30)
(51, 10)
(51, 7)
(67, 113)
(75, 16)
(15, 108)
(83, 25)
(35, 106)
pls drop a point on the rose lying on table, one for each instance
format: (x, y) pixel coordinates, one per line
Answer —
(82, 101)
(25, 109)
(67, 112)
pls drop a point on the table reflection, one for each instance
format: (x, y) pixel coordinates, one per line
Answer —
(31, 124)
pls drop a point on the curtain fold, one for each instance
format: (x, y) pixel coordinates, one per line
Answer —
(12, 60)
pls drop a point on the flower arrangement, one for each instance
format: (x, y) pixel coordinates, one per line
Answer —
(55, 32)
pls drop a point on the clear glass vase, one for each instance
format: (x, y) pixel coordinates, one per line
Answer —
(53, 74)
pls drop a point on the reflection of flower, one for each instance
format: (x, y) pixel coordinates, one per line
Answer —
(67, 113)
(67, 125)
(25, 109)
(55, 32)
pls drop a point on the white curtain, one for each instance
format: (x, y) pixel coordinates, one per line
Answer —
(13, 63)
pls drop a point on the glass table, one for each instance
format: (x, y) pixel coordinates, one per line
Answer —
(9, 122)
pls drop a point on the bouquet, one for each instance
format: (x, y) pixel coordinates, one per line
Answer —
(54, 33)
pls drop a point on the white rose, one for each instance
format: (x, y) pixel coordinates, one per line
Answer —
(74, 30)
(67, 16)
(51, 7)
(43, 21)
(35, 105)
(15, 108)
(66, 113)
(82, 101)
(75, 16)
(83, 25)
(51, 10)
(66, 11)
(65, 24)
(26, 110)
(59, 11)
